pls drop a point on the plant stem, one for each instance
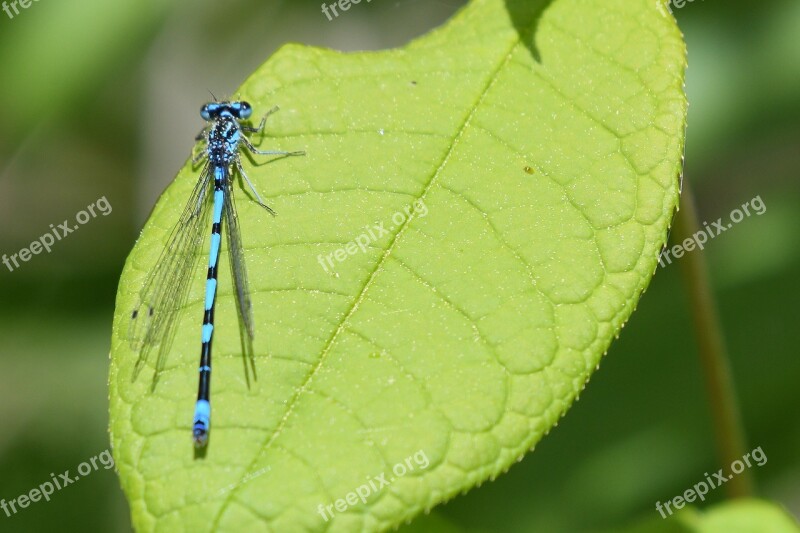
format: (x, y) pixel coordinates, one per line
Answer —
(712, 351)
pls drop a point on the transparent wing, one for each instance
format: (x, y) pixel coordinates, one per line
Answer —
(239, 274)
(236, 256)
(164, 292)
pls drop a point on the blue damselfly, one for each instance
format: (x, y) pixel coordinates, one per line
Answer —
(154, 318)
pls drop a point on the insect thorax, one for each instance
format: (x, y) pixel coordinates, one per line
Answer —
(223, 141)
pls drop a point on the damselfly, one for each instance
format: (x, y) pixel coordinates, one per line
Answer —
(154, 318)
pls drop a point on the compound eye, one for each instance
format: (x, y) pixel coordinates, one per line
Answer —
(205, 112)
(245, 110)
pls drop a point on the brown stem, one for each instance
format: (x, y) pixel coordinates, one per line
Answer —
(713, 353)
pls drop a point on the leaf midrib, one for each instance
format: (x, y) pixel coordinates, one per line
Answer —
(491, 79)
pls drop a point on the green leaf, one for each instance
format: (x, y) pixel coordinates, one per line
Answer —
(737, 516)
(537, 146)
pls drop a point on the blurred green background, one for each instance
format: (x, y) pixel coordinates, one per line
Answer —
(101, 99)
